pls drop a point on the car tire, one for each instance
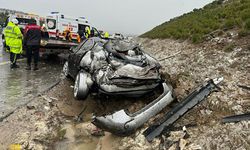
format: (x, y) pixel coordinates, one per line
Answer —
(66, 69)
(81, 88)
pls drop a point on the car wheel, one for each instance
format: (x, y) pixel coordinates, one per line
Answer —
(81, 88)
(66, 69)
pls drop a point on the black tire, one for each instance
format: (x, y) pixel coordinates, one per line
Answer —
(81, 89)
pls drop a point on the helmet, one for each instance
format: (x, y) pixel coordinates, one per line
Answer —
(15, 21)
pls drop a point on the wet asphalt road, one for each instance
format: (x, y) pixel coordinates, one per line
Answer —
(19, 86)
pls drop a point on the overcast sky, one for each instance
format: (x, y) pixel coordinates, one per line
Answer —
(125, 16)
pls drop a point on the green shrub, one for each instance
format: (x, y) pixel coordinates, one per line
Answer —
(196, 38)
(229, 24)
(245, 14)
(198, 23)
(247, 24)
(243, 33)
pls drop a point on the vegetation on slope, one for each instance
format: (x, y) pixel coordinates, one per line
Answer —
(195, 25)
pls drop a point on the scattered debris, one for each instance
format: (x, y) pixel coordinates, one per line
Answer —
(174, 146)
(97, 132)
(169, 56)
(194, 147)
(80, 117)
(30, 107)
(46, 107)
(181, 144)
(244, 87)
(236, 118)
(46, 98)
(53, 98)
(180, 109)
(205, 112)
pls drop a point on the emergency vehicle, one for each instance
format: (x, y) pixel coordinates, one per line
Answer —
(57, 25)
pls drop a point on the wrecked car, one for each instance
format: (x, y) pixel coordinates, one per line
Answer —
(117, 67)
(117, 36)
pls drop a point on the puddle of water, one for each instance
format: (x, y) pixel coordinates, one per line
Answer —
(76, 138)
(64, 145)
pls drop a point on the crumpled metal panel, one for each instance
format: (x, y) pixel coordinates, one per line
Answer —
(123, 123)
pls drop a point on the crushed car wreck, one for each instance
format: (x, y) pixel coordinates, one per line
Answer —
(117, 67)
(111, 67)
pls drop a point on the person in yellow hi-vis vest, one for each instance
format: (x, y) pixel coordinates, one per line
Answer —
(13, 37)
(87, 32)
(106, 35)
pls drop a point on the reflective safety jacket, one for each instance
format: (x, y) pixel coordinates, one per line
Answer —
(106, 35)
(87, 32)
(13, 38)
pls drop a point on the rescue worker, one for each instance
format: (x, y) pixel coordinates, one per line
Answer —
(45, 33)
(106, 35)
(13, 37)
(81, 36)
(43, 28)
(78, 38)
(66, 33)
(87, 32)
(32, 41)
(70, 36)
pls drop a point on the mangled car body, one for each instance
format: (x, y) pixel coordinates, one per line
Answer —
(114, 67)
(117, 67)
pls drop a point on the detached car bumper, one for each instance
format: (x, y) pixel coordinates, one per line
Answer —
(124, 123)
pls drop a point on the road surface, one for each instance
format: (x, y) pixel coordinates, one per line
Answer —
(19, 86)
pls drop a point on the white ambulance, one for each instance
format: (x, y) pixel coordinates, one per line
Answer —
(57, 24)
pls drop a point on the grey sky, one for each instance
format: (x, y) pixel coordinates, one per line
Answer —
(126, 16)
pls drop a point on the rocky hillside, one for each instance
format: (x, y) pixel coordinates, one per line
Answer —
(198, 25)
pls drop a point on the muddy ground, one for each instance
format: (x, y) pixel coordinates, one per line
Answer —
(49, 121)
